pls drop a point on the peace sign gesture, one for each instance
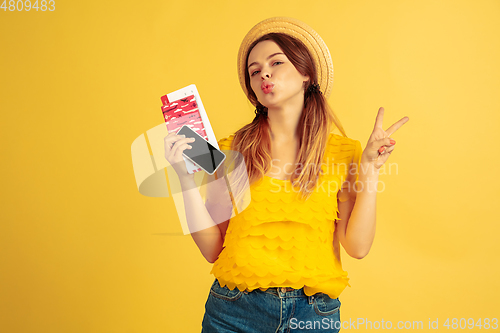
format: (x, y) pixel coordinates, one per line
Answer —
(376, 151)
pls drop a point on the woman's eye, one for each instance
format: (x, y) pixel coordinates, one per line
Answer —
(278, 62)
(253, 73)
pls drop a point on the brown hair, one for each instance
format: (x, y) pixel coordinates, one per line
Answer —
(253, 141)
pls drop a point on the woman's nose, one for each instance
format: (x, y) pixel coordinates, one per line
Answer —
(265, 75)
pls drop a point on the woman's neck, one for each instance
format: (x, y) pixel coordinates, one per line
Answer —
(283, 122)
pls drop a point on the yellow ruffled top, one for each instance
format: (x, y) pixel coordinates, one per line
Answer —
(280, 240)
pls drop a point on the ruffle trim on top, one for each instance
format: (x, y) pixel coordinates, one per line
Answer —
(269, 203)
(253, 277)
(340, 148)
(284, 230)
(260, 262)
(331, 287)
(282, 241)
(226, 142)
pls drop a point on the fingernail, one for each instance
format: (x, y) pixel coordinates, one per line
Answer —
(182, 135)
(381, 149)
(393, 142)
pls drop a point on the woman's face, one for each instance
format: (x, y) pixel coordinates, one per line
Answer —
(274, 79)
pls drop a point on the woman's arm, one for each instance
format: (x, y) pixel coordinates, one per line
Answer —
(207, 222)
(205, 232)
(358, 214)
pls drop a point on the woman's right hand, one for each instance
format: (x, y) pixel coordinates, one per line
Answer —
(174, 146)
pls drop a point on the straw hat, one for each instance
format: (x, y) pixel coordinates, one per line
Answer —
(298, 29)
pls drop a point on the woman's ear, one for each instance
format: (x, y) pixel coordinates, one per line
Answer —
(306, 80)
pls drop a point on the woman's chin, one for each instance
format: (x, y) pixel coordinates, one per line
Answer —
(269, 106)
(269, 102)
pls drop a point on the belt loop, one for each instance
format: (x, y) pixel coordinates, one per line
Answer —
(310, 299)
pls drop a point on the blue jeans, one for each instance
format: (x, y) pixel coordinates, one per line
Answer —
(277, 310)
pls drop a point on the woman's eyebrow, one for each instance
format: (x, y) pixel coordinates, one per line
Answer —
(272, 55)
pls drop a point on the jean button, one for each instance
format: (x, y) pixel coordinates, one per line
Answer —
(283, 289)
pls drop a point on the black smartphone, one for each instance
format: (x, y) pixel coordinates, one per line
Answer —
(203, 153)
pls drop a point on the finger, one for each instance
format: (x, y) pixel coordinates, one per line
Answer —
(168, 145)
(180, 143)
(384, 142)
(380, 118)
(396, 126)
(170, 135)
(390, 149)
(385, 152)
(170, 141)
(173, 139)
(179, 149)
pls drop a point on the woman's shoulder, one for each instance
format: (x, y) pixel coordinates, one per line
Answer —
(335, 142)
(339, 140)
(342, 146)
(225, 142)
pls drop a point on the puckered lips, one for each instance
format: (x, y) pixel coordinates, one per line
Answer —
(267, 87)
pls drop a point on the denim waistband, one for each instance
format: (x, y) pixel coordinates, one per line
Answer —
(286, 292)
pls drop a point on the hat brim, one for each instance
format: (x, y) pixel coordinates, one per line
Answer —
(298, 29)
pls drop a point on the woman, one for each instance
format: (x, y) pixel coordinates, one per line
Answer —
(277, 261)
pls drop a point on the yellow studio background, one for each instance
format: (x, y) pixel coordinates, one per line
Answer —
(83, 251)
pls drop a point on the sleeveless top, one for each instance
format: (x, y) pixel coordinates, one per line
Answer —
(281, 240)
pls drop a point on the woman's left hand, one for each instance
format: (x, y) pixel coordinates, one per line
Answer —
(380, 145)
